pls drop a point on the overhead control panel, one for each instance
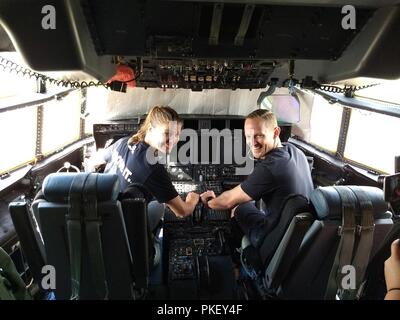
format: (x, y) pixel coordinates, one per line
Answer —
(199, 74)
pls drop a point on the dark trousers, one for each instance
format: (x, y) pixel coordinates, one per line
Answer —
(253, 222)
(155, 212)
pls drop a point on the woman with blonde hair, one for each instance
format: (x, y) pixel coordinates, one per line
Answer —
(132, 159)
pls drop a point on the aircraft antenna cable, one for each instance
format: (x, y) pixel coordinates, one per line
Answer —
(12, 67)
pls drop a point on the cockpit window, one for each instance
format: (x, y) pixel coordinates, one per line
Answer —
(13, 85)
(372, 140)
(33, 124)
(18, 138)
(17, 127)
(96, 106)
(57, 133)
(387, 91)
(325, 124)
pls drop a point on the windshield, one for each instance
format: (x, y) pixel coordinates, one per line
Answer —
(387, 91)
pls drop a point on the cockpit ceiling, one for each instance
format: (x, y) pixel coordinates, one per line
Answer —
(183, 29)
(177, 29)
(331, 3)
(200, 45)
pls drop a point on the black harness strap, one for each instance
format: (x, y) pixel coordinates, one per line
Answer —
(74, 230)
(344, 251)
(366, 233)
(93, 223)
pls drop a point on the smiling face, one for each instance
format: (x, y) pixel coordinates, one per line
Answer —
(260, 137)
(165, 137)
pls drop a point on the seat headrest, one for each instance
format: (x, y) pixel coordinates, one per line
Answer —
(328, 204)
(56, 186)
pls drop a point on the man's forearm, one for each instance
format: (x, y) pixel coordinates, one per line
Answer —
(220, 203)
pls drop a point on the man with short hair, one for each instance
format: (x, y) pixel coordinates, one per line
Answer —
(280, 170)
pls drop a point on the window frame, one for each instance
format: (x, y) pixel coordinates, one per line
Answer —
(388, 109)
(339, 144)
(359, 164)
(38, 105)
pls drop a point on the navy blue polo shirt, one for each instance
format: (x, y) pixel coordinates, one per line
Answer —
(283, 172)
(131, 164)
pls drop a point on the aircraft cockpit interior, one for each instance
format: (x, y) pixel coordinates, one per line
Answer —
(78, 77)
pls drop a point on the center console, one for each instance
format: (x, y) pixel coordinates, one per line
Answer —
(197, 253)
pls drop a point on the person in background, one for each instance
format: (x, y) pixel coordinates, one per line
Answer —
(392, 272)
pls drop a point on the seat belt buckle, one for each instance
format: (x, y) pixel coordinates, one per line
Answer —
(93, 219)
(74, 219)
(344, 229)
(360, 229)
